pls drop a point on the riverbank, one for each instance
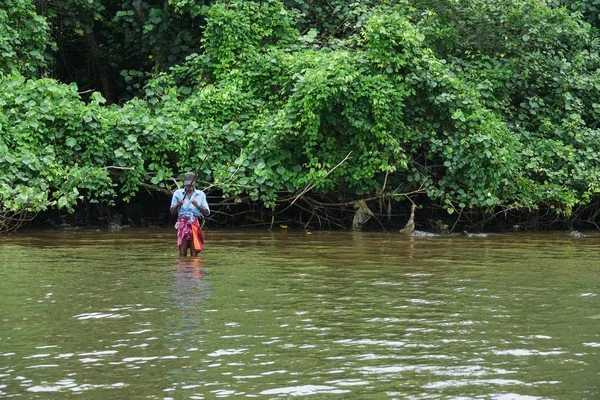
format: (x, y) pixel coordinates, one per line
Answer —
(151, 209)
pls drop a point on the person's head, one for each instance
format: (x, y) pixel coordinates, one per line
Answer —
(189, 179)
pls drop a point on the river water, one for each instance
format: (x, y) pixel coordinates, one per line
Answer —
(287, 314)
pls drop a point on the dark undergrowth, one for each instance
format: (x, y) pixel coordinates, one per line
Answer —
(151, 209)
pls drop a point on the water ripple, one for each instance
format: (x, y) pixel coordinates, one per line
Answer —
(305, 390)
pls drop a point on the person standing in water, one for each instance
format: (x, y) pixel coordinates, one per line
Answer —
(190, 204)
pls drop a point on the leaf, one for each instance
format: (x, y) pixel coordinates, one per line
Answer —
(62, 202)
(458, 114)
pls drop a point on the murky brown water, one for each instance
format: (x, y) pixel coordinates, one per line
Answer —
(329, 315)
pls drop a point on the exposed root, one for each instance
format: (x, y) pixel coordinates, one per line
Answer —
(11, 221)
(409, 228)
(361, 216)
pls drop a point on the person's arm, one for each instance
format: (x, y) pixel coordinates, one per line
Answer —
(175, 204)
(202, 205)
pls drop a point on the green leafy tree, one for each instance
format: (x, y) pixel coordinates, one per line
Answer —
(116, 46)
(476, 105)
(23, 39)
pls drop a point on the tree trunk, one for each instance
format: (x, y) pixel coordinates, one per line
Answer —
(105, 81)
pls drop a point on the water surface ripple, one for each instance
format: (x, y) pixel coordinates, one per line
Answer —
(285, 314)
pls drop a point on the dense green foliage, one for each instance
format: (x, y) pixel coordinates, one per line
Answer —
(23, 38)
(476, 104)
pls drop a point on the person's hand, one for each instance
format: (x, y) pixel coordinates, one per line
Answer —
(203, 210)
(180, 203)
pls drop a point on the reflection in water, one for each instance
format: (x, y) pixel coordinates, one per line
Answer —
(328, 315)
(189, 268)
(189, 292)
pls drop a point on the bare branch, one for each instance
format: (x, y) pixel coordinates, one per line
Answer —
(121, 168)
(156, 188)
(310, 186)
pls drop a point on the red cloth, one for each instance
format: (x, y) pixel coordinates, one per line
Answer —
(187, 230)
